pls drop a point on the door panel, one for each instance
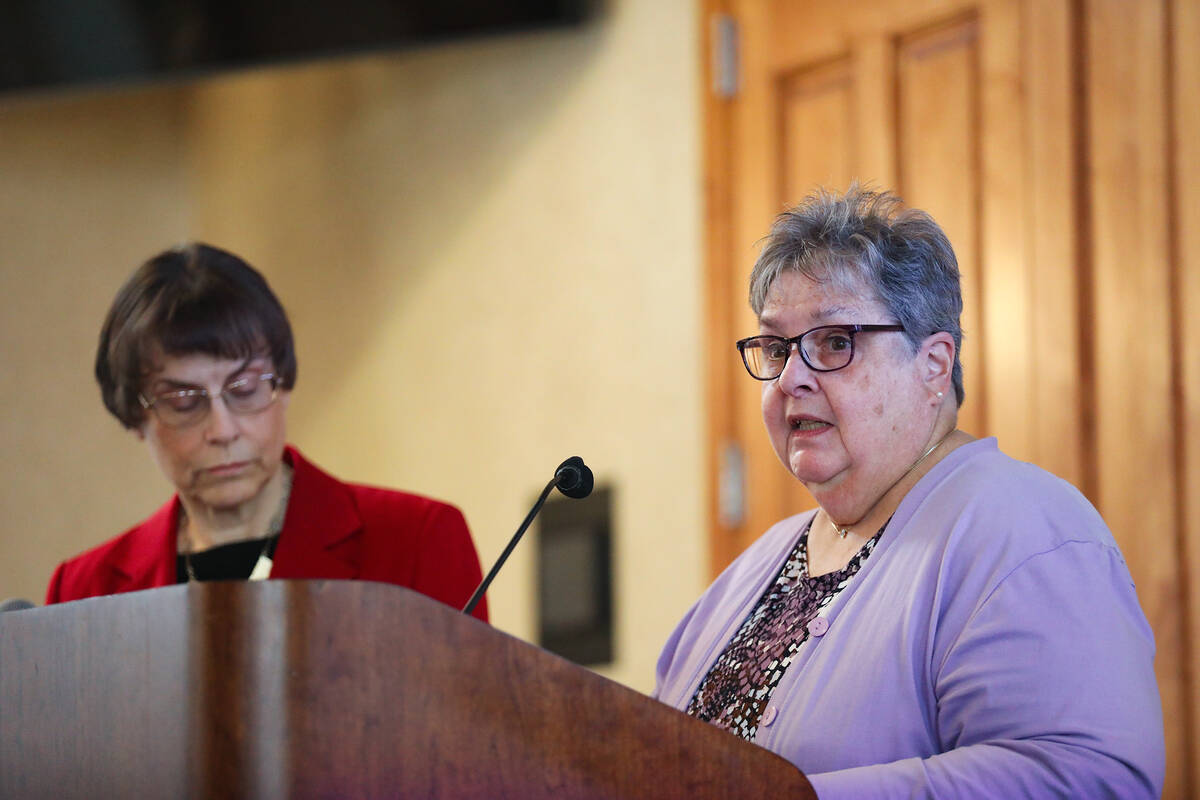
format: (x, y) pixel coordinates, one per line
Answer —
(938, 87)
(818, 124)
(1129, 153)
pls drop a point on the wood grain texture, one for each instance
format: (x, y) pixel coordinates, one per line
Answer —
(74, 700)
(721, 282)
(939, 102)
(1008, 354)
(333, 689)
(1136, 491)
(1184, 35)
(817, 129)
(816, 150)
(758, 190)
(1057, 242)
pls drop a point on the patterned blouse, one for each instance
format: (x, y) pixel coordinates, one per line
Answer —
(738, 688)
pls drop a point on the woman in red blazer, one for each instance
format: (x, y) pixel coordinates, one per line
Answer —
(196, 358)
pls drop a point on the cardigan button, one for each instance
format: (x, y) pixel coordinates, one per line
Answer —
(817, 626)
(768, 716)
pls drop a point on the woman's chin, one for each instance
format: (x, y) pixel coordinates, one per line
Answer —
(813, 473)
(227, 497)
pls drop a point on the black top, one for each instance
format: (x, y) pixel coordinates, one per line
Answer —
(227, 562)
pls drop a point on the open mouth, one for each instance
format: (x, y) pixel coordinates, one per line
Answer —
(800, 424)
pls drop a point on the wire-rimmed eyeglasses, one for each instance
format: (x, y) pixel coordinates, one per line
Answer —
(824, 349)
(179, 408)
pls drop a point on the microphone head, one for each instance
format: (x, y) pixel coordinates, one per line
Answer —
(15, 604)
(573, 478)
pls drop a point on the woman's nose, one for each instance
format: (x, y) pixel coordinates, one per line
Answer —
(221, 425)
(796, 373)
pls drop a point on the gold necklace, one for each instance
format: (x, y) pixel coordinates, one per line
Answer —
(844, 531)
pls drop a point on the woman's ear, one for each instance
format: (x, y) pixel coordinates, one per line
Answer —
(936, 362)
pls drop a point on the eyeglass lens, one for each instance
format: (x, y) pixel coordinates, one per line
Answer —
(824, 349)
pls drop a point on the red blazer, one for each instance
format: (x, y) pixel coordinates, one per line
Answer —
(331, 530)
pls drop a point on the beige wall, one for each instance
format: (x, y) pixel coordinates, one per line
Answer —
(476, 242)
(89, 186)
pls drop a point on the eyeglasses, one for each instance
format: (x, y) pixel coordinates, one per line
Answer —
(248, 394)
(824, 349)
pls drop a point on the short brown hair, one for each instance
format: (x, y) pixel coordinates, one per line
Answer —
(194, 298)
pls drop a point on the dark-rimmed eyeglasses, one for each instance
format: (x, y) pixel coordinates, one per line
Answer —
(824, 349)
(180, 408)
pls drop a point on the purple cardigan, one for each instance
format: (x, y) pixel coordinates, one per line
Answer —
(991, 646)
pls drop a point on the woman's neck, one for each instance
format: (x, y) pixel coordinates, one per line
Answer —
(833, 542)
(202, 527)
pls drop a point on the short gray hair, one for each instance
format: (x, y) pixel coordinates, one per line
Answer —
(865, 238)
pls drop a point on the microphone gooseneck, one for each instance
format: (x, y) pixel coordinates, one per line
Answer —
(573, 479)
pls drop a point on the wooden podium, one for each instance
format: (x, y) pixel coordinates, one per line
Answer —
(333, 689)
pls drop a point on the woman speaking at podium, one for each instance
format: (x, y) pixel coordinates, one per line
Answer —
(196, 358)
(949, 622)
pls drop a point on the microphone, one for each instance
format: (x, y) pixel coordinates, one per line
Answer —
(18, 604)
(573, 479)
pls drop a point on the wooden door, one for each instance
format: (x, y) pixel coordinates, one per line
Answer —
(1047, 137)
